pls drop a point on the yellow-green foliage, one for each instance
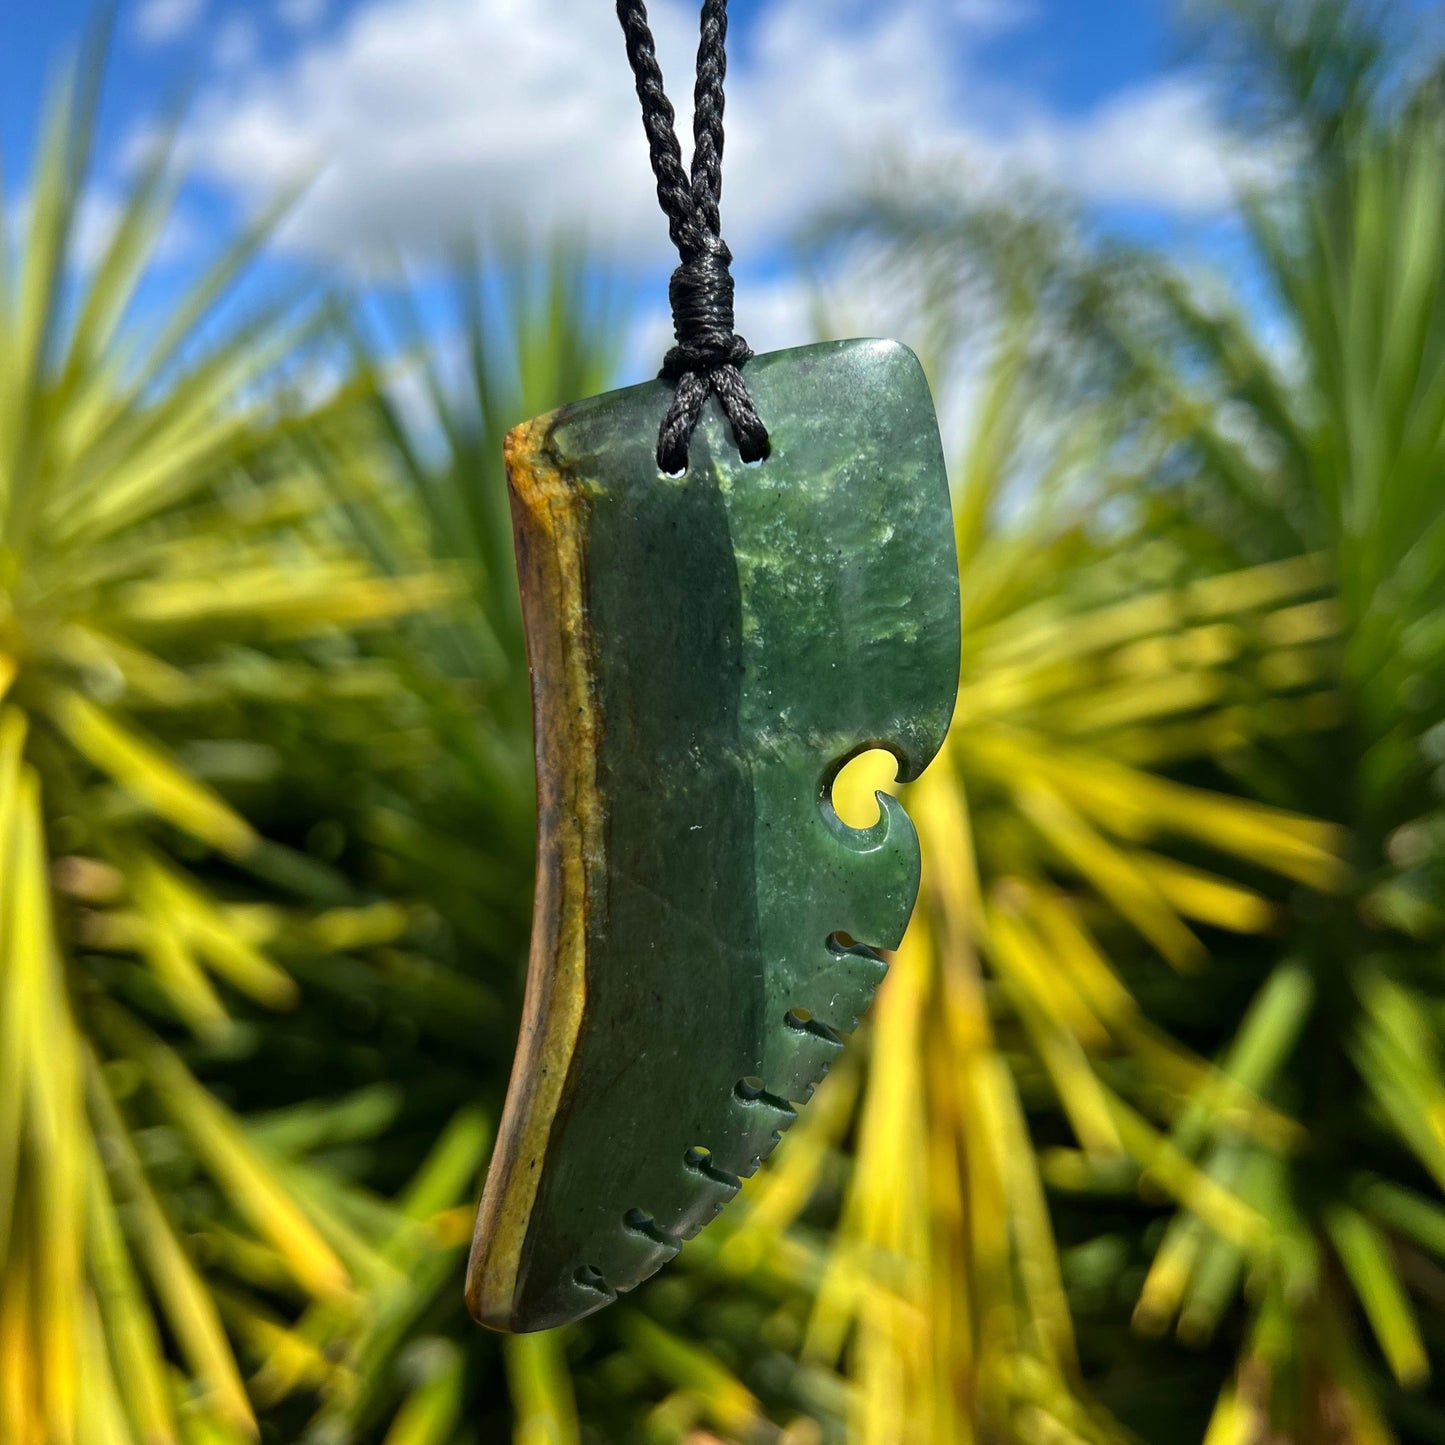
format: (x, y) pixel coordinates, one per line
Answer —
(166, 560)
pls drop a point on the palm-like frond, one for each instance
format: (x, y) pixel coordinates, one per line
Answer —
(1358, 443)
(1313, 465)
(523, 334)
(166, 560)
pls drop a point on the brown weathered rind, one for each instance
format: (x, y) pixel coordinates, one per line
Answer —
(548, 518)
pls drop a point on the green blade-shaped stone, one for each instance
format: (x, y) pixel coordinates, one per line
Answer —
(707, 652)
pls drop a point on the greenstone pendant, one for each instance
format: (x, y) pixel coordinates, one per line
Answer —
(707, 652)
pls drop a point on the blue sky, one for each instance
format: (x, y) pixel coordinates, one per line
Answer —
(420, 119)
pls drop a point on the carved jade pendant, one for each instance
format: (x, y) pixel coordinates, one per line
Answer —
(707, 651)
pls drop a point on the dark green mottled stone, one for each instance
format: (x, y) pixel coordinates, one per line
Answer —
(752, 629)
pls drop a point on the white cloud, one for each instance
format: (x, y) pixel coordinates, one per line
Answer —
(157, 22)
(300, 14)
(421, 119)
(424, 118)
(1153, 143)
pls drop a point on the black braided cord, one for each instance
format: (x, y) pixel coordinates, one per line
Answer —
(706, 359)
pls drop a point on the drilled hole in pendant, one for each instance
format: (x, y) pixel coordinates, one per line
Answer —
(638, 1219)
(798, 1018)
(841, 942)
(697, 1157)
(590, 1277)
(750, 1088)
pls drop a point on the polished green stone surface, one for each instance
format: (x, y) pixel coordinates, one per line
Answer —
(751, 629)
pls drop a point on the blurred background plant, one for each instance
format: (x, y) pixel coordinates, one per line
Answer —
(182, 626)
(1142, 1140)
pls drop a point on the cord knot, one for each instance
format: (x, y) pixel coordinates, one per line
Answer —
(701, 292)
(706, 358)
